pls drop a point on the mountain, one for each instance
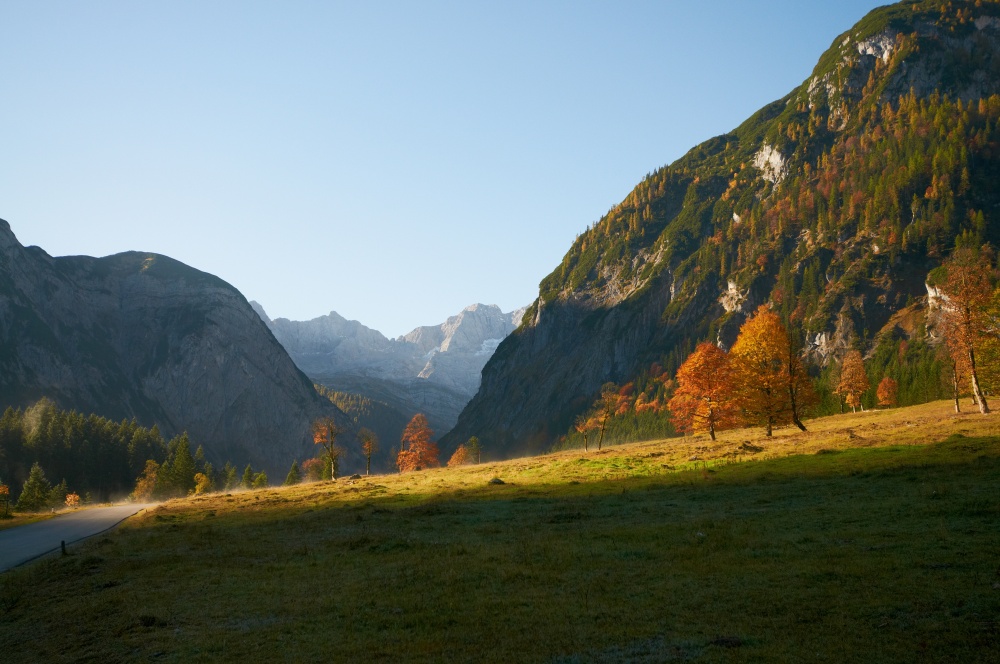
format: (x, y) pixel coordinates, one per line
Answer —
(831, 204)
(434, 369)
(139, 335)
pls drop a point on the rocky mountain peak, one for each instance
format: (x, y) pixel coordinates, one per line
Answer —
(139, 335)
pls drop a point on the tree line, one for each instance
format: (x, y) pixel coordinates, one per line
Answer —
(52, 458)
(417, 450)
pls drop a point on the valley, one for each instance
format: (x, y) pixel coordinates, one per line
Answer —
(434, 369)
(871, 537)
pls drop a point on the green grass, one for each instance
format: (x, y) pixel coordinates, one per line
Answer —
(838, 545)
(13, 520)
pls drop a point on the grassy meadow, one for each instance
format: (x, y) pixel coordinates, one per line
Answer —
(873, 537)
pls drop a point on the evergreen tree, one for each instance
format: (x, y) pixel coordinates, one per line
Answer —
(35, 494)
(230, 478)
(57, 495)
(247, 482)
(294, 474)
(475, 450)
(183, 467)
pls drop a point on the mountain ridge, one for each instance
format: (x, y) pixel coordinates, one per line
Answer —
(140, 335)
(434, 369)
(830, 204)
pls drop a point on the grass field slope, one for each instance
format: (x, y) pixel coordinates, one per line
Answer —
(872, 537)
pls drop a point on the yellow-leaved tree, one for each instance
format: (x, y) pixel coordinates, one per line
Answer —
(760, 367)
(853, 380)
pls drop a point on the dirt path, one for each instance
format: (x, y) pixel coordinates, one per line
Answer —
(24, 543)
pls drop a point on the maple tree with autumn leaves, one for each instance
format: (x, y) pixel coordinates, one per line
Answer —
(853, 380)
(418, 450)
(887, 392)
(705, 399)
(966, 317)
(325, 432)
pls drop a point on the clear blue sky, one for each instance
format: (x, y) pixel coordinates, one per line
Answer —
(392, 161)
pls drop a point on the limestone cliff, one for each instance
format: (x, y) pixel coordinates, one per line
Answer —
(139, 335)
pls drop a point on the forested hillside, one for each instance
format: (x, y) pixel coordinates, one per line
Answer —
(831, 205)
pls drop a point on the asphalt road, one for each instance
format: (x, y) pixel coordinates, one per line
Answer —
(23, 543)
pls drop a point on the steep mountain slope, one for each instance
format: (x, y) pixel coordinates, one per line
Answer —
(144, 336)
(434, 369)
(832, 204)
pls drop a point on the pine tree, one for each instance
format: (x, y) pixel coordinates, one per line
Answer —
(35, 493)
(294, 474)
(57, 495)
(247, 482)
(475, 450)
(229, 477)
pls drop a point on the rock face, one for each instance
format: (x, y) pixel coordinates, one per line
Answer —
(139, 335)
(434, 369)
(789, 210)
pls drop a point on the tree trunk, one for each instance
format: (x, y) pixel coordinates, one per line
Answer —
(711, 431)
(368, 465)
(954, 385)
(977, 391)
(768, 427)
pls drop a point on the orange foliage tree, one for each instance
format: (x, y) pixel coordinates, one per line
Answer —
(705, 395)
(759, 361)
(72, 500)
(312, 469)
(887, 392)
(460, 457)
(5, 499)
(584, 424)
(418, 450)
(853, 380)
(369, 446)
(802, 397)
(614, 400)
(965, 315)
(325, 432)
(146, 483)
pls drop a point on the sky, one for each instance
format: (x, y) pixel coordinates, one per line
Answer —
(392, 161)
